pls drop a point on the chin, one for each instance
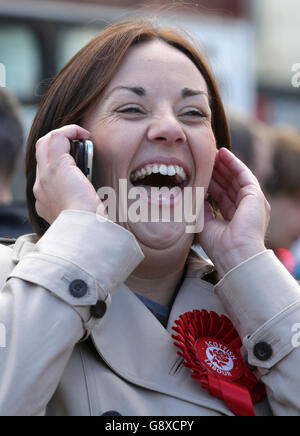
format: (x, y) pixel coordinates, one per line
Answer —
(160, 235)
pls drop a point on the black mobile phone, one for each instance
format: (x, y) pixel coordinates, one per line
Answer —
(82, 151)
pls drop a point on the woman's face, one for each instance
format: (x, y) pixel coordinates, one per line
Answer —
(154, 117)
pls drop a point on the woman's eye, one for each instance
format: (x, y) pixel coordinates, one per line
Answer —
(130, 110)
(194, 113)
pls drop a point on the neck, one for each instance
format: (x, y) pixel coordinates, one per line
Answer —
(150, 279)
(5, 194)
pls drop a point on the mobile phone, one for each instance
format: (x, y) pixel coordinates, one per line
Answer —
(82, 150)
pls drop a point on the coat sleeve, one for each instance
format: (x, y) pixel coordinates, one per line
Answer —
(263, 301)
(45, 304)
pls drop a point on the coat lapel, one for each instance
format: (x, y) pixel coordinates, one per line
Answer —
(138, 348)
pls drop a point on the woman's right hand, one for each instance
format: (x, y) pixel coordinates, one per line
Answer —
(59, 183)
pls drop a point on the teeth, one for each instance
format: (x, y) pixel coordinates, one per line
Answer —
(178, 178)
(171, 170)
(181, 173)
(165, 170)
(155, 168)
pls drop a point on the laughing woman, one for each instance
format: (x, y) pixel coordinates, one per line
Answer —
(113, 318)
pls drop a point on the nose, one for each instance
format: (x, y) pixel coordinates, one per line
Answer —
(166, 128)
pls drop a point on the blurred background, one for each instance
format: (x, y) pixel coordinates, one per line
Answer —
(252, 46)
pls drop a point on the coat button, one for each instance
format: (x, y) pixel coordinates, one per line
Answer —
(250, 367)
(98, 311)
(78, 288)
(262, 351)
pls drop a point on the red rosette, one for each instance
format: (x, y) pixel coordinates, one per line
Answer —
(210, 346)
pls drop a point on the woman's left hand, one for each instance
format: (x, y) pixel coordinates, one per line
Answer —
(244, 208)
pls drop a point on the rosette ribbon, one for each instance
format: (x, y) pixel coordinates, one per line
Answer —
(210, 346)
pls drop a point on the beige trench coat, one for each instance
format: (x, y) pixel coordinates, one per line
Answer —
(129, 364)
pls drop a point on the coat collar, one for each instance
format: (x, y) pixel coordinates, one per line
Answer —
(24, 244)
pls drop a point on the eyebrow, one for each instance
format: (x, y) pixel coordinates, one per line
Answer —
(187, 92)
(138, 90)
(141, 92)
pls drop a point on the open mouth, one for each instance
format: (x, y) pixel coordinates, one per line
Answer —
(160, 175)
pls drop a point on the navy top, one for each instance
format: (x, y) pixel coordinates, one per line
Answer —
(159, 311)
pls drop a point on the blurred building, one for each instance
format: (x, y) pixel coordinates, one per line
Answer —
(277, 25)
(251, 45)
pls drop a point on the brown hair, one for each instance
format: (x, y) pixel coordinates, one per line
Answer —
(284, 174)
(82, 81)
